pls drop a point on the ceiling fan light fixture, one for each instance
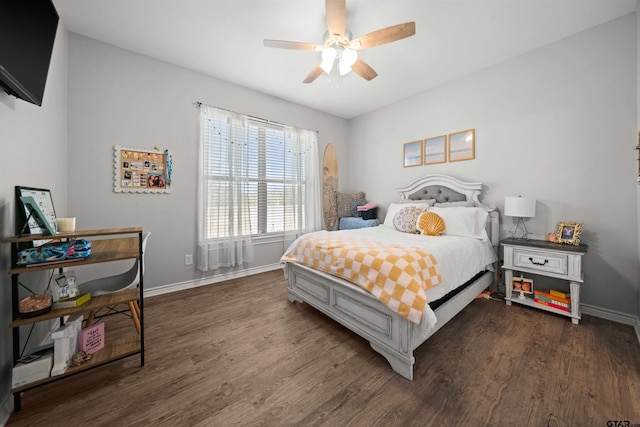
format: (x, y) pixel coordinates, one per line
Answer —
(343, 68)
(339, 43)
(328, 58)
(346, 59)
(349, 57)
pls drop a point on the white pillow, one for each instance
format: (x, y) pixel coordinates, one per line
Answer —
(464, 222)
(394, 208)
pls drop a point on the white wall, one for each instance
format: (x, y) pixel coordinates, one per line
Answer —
(117, 97)
(556, 124)
(33, 149)
(638, 143)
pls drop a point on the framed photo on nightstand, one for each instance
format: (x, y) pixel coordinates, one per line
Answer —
(522, 285)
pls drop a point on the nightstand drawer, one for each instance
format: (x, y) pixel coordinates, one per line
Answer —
(531, 259)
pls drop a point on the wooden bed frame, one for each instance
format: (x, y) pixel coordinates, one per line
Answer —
(355, 308)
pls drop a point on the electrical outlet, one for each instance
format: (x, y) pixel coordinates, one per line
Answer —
(188, 259)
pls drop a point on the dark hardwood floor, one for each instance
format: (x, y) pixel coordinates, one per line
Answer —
(238, 353)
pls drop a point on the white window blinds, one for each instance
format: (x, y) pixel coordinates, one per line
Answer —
(256, 179)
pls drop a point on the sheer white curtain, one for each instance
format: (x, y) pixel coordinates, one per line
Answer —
(308, 197)
(224, 209)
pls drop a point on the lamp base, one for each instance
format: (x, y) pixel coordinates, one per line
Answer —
(519, 230)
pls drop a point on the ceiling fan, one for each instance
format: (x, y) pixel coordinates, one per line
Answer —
(338, 45)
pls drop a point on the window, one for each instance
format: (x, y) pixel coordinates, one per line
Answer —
(257, 179)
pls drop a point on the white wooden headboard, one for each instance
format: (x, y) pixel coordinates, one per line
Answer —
(444, 188)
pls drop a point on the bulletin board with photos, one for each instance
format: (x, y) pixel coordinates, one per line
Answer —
(142, 171)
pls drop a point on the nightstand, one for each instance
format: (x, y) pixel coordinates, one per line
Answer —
(548, 259)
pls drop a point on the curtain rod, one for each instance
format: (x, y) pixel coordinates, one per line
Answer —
(198, 103)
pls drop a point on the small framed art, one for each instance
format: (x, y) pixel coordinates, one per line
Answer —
(435, 150)
(522, 285)
(462, 145)
(35, 214)
(412, 154)
(569, 233)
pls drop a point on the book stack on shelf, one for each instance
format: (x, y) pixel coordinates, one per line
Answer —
(555, 299)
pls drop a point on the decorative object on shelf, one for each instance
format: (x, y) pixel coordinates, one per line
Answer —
(91, 339)
(523, 286)
(35, 214)
(556, 299)
(66, 225)
(569, 233)
(34, 368)
(412, 154)
(66, 286)
(137, 170)
(24, 217)
(435, 150)
(65, 344)
(79, 358)
(520, 208)
(55, 252)
(551, 237)
(35, 305)
(462, 145)
(72, 302)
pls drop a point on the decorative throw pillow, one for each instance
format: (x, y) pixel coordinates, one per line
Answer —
(354, 206)
(406, 218)
(394, 208)
(344, 201)
(430, 224)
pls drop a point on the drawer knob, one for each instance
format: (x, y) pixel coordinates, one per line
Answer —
(538, 263)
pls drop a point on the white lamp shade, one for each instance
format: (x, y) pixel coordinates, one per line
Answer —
(328, 58)
(521, 207)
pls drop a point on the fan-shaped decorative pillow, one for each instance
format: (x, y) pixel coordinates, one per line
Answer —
(430, 224)
(406, 218)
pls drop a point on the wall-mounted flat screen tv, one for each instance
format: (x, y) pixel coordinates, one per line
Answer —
(27, 33)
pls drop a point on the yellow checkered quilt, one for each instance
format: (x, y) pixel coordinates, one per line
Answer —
(398, 276)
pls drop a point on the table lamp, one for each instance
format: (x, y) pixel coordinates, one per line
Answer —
(520, 208)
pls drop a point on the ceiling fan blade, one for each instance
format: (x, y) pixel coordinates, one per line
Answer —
(313, 74)
(336, 17)
(383, 36)
(283, 44)
(363, 69)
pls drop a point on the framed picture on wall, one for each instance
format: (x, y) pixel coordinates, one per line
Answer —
(435, 150)
(462, 145)
(412, 154)
(138, 170)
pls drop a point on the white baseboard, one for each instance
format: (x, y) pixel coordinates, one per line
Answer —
(6, 409)
(614, 316)
(174, 287)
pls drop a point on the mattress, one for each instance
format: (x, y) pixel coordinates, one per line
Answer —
(459, 260)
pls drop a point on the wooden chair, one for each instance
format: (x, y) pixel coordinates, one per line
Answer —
(127, 280)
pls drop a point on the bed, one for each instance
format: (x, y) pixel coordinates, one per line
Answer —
(389, 333)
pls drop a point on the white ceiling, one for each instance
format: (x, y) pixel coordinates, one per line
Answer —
(224, 39)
